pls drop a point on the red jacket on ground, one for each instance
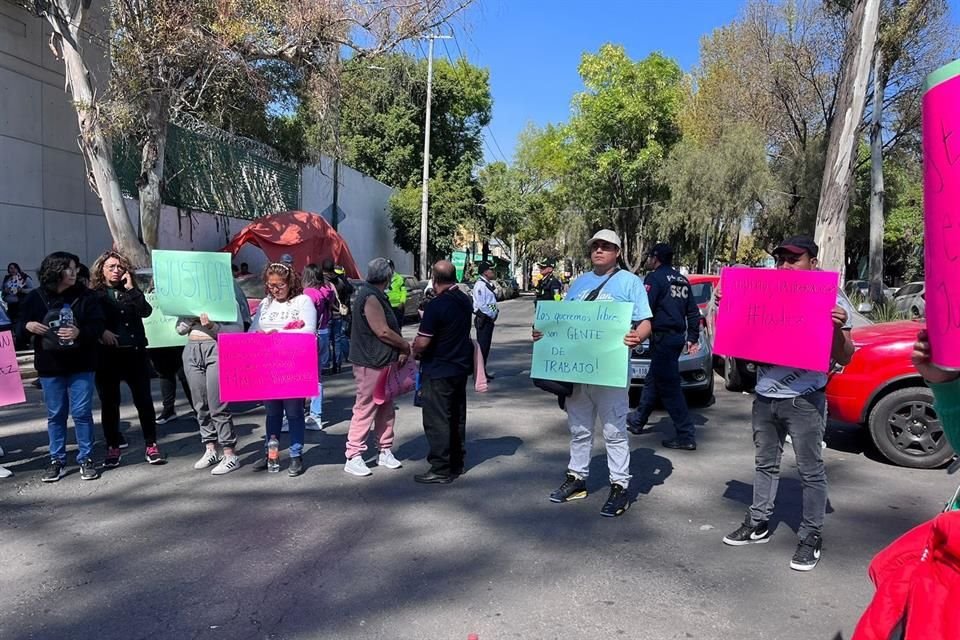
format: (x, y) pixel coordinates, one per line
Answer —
(918, 585)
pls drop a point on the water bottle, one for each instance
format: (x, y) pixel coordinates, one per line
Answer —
(66, 320)
(273, 455)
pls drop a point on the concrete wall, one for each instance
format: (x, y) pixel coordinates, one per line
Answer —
(363, 201)
(46, 204)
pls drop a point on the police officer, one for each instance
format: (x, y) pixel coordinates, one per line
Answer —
(676, 323)
(549, 287)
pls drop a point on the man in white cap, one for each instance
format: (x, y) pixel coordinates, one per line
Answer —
(607, 282)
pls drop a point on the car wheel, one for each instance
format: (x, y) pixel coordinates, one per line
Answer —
(702, 397)
(906, 430)
(731, 375)
(914, 313)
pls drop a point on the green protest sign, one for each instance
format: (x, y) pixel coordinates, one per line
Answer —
(582, 342)
(459, 260)
(161, 329)
(188, 283)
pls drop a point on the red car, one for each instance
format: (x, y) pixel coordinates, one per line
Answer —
(882, 390)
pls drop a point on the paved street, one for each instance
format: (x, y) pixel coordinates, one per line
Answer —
(169, 552)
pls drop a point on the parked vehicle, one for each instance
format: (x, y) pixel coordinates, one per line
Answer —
(415, 289)
(882, 390)
(696, 370)
(911, 299)
(860, 289)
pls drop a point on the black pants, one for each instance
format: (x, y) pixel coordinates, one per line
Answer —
(168, 361)
(131, 366)
(445, 423)
(399, 313)
(484, 328)
(663, 380)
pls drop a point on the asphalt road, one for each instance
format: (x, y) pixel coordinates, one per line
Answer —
(169, 552)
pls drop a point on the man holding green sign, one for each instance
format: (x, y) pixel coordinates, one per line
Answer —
(604, 316)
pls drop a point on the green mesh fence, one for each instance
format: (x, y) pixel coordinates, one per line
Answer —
(215, 176)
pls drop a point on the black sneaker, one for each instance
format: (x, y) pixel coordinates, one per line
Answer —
(617, 502)
(748, 534)
(807, 554)
(573, 488)
(123, 442)
(260, 464)
(296, 467)
(54, 472)
(88, 470)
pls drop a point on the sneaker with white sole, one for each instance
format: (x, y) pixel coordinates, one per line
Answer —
(210, 457)
(54, 472)
(228, 464)
(357, 467)
(388, 460)
(4, 472)
(808, 553)
(164, 419)
(313, 423)
(748, 533)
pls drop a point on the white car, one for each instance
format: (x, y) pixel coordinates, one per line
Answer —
(910, 299)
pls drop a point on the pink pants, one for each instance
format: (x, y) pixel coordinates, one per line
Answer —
(366, 412)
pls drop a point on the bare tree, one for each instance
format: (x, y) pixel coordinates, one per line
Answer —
(854, 78)
(169, 56)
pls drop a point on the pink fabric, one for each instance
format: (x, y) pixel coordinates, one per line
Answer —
(322, 299)
(479, 370)
(395, 381)
(366, 412)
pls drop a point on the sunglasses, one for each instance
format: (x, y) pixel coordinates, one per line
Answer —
(790, 258)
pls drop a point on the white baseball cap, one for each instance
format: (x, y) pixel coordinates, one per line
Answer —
(607, 235)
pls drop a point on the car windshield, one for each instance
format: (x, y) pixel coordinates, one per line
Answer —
(701, 292)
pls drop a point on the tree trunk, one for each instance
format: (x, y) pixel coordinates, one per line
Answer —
(877, 193)
(150, 180)
(834, 203)
(66, 19)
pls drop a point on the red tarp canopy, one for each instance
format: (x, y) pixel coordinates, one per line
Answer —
(305, 236)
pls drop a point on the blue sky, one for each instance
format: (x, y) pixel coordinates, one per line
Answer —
(533, 47)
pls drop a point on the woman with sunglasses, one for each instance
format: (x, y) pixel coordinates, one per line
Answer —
(285, 310)
(123, 354)
(65, 356)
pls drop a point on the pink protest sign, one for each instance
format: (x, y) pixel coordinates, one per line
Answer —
(777, 316)
(259, 366)
(941, 213)
(11, 386)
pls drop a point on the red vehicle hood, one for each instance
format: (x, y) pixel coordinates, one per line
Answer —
(887, 333)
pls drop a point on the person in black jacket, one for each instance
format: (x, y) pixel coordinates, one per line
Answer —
(676, 325)
(65, 357)
(123, 354)
(340, 317)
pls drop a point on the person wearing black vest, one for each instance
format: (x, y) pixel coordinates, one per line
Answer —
(375, 343)
(65, 357)
(445, 351)
(549, 288)
(123, 355)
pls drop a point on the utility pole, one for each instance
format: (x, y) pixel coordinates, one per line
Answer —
(336, 191)
(426, 161)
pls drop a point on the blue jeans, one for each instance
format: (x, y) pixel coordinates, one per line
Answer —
(341, 344)
(293, 407)
(69, 394)
(323, 347)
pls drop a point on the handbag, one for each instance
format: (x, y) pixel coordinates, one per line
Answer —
(558, 387)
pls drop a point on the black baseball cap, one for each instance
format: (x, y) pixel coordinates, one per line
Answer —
(484, 266)
(798, 245)
(548, 263)
(662, 252)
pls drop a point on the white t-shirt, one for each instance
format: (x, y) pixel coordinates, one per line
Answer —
(273, 315)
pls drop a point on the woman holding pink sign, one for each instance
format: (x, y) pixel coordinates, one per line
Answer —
(285, 310)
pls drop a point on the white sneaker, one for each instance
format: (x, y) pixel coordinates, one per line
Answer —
(357, 467)
(387, 459)
(313, 423)
(228, 464)
(210, 458)
(4, 472)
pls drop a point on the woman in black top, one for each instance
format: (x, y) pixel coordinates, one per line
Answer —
(65, 357)
(123, 354)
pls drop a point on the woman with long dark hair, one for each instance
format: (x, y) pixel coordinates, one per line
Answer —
(65, 357)
(322, 295)
(285, 310)
(15, 286)
(123, 354)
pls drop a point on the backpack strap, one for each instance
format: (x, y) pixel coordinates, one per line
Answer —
(596, 292)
